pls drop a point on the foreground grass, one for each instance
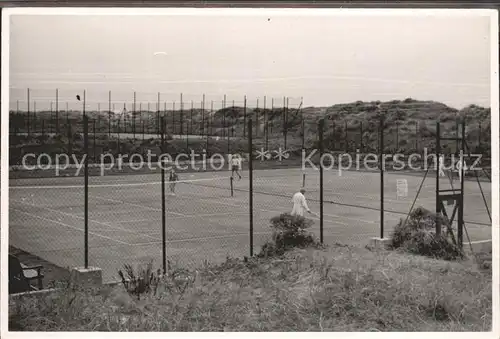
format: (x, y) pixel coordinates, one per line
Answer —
(337, 289)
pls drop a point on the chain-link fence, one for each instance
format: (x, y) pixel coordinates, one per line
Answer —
(99, 214)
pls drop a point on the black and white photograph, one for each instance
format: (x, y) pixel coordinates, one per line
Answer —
(250, 170)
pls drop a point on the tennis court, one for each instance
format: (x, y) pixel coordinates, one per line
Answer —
(203, 220)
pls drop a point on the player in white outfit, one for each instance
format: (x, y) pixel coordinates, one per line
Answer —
(236, 165)
(441, 166)
(300, 204)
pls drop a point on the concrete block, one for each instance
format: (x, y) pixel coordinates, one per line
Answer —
(86, 277)
(379, 243)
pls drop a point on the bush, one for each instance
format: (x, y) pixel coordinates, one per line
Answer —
(288, 232)
(144, 282)
(418, 236)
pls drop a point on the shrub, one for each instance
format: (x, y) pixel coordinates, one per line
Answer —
(418, 236)
(141, 283)
(148, 283)
(288, 232)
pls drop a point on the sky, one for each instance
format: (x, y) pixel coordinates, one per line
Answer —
(324, 60)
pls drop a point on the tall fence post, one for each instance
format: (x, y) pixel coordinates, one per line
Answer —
(86, 174)
(266, 122)
(462, 173)
(18, 118)
(70, 134)
(124, 114)
(202, 130)
(57, 110)
(334, 136)
(118, 132)
(250, 181)
(244, 116)
(109, 115)
(211, 119)
(173, 117)
(416, 136)
(181, 117)
(163, 204)
(346, 139)
(165, 113)
(285, 120)
(256, 111)
(208, 125)
(382, 165)
(272, 113)
(321, 127)
(28, 112)
(228, 136)
(232, 130)
(34, 117)
(94, 141)
(303, 123)
(361, 136)
(479, 138)
(133, 116)
(224, 126)
(99, 118)
(190, 127)
(158, 116)
(158, 122)
(397, 136)
(438, 164)
(51, 119)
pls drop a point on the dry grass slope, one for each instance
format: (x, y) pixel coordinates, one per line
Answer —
(336, 289)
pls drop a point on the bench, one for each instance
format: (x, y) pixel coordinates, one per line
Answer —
(21, 276)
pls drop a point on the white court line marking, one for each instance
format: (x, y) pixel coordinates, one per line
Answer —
(104, 213)
(132, 204)
(147, 207)
(138, 220)
(479, 241)
(212, 201)
(368, 196)
(263, 210)
(183, 217)
(109, 226)
(69, 226)
(329, 215)
(200, 238)
(114, 185)
(220, 203)
(132, 244)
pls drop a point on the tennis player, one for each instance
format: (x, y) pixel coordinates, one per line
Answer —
(441, 166)
(300, 204)
(173, 177)
(235, 165)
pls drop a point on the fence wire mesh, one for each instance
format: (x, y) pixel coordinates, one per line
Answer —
(208, 218)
